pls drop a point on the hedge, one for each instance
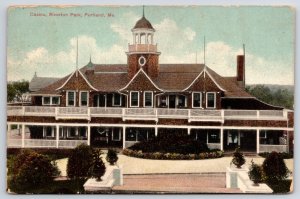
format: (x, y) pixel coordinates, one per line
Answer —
(284, 155)
(173, 156)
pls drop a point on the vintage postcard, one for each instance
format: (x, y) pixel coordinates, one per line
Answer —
(150, 99)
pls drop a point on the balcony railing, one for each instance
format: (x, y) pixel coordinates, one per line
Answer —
(146, 113)
(142, 48)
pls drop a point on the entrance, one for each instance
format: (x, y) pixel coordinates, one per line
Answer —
(172, 101)
(245, 139)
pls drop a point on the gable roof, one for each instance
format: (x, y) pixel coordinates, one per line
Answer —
(140, 72)
(171, 78)
(76, 73)
(40, 82)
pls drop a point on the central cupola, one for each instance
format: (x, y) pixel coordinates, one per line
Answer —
(142, 53)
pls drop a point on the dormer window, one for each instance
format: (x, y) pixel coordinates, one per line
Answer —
(84, 98)
(71, 98)
(148, 99)
(197, 100)
(134, 99)
(210, 100)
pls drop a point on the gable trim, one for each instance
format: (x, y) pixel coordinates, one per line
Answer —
(222, 89)
(141, 70)
(193, 81)
(90, 85)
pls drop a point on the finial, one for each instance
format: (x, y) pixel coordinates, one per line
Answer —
(90, 58)
(143, 11)
(35, 75)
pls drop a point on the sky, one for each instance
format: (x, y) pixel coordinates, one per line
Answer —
(47, 44)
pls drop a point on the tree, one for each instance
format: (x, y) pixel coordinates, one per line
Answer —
(98, 169)
(255, 173)
(111, 156)
(80, 162)
(274, 167)
(238, 158)
(30, 171)
(16, 89)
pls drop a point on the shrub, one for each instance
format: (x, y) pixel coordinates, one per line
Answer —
(111, 156)
(98, 168)
(171, 143)
(284, 155)
(255, 173)
(80, 162)
(274, 167)
(238, 158)
(30, 170)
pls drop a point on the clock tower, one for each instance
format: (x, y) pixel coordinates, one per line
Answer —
(142, 53)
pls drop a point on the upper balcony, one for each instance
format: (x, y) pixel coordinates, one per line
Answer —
(142, 48)
(153, 114)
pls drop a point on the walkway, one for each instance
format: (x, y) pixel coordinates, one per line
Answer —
(145, 166)
(174, 183)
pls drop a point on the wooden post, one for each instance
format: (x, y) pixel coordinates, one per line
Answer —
(124, 136)
(88, 135)
(257, 140)
(221, 139)
(23, 135)
(57, 136)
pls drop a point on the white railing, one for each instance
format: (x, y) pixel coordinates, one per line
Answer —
(270, 148)
(14, 143)
(146, 113)
(70, 143)
(99, 111)
(40, 143)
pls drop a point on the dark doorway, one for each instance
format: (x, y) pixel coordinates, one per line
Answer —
(245, 139)
(172, 101)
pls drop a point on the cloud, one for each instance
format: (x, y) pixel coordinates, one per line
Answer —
(173, 41)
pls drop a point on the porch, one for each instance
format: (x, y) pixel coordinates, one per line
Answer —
(153, 114)
(123, 136)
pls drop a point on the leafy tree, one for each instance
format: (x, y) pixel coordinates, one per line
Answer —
(255, 173)
(274, 167)
(238, 158)
(30, 170)
(80, 162)
(111, 156)
(16, 89)
(98, 168)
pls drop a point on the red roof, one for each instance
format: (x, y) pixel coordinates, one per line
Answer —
(171, 78)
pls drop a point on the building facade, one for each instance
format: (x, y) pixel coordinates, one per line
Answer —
(121, 104)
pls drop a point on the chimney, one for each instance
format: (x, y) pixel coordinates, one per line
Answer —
(240, 76)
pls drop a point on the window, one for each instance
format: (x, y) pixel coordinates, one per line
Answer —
(82, 131)
(70, 98)
(72, 132)
(117, 99)
(181, 101)
(211, 100)
(134, 99)
(131, 135)
(148, 99)
(84, 98)
(116, 135)
(197, 102)
(163, 101)
(55, 100)
(46, 100)
(213, 137)
(49, 131)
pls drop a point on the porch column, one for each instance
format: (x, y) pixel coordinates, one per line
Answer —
(257, 140)
(88, 135)
(124, 136)
(189, 131)
(57, 135)
(23, 135)
(287, 142)
(156, 131)
(8, 127)
(221, 139)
